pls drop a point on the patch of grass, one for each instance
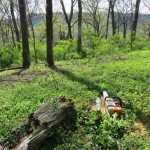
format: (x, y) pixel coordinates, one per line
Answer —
(127, 76)
(19, 100)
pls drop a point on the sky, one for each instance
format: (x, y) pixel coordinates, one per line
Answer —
(57, 6)
(67, 3)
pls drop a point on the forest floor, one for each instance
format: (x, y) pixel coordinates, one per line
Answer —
(82, 80)
(18, 77)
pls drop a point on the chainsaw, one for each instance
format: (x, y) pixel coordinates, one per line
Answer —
(112, 104)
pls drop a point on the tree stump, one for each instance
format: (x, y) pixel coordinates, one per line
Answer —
(31, 133)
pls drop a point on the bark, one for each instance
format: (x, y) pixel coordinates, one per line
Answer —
(135, 21)
(149, 33)
(24, 30)
(79, 44)
(14, 21)
(136, 15)
(68, 19)
(3, 39)
(124, 29)
(34, 43)
(49, 32)
(69, 36)
(33, 36)
(12, 35)
(118, 23)
(62, 34)
(39, 125)
(112, 4)
(107, 22)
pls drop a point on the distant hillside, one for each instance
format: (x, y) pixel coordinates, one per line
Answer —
(37, 19)
(41, 17)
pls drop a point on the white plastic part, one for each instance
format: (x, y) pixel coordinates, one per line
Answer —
(105, 94)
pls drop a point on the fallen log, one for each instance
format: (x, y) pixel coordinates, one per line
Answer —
(31, 133)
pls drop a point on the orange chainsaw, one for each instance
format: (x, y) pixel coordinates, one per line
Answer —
(113, 104)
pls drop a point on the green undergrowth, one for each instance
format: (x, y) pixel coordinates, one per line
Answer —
(125, 75)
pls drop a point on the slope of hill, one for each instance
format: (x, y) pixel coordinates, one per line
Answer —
(128, 76)
(39, 18)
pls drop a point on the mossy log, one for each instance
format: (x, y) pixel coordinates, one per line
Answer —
(31, 133)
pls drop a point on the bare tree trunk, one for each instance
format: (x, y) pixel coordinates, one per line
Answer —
(118, 23)
(33, 36)
(31, 15)
(112, 4)
(34, 45)
(49, 32)
(69, 35)
(79, 49)
(12, 35)
(68, 19)
(131, 24)
(3, 39)
(107, 22)
(135, 21)
(24, 30)
(124, 30)
(62, 34)
(149, 33)
(14, 20)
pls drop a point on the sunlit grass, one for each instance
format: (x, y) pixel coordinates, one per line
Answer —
(127, 76)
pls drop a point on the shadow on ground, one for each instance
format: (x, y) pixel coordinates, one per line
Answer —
(18, 72)
(90, 85)
(141, 116)
(144, 118)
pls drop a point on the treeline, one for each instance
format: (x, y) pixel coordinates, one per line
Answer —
(102, 19)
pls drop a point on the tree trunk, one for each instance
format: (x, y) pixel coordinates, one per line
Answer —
(60, 33)
(79, 47)
(3, 39)
(69, 35)
(124, 29)
(34, 43)
(68, 19)
(12, 35)
(135, 21)
(112, 4)
(118, 24)
(33, 36)
(24, 30)
(149, 33)
(14, 20)
(107, 22)
(49, 32)
(31, 133)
